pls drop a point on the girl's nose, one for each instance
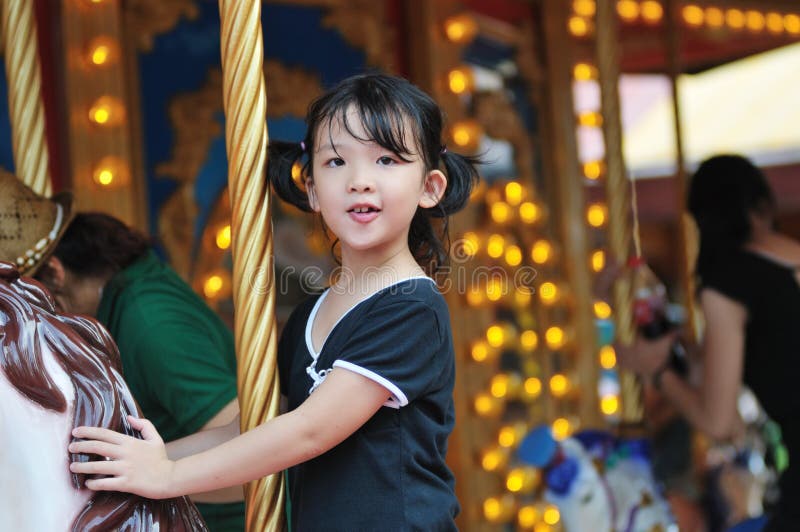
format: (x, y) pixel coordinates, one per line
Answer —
(360, 182)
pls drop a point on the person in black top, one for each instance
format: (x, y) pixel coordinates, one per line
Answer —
(368, 366)
(749, 291)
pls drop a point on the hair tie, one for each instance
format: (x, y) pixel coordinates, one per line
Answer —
(443, 150)
(303, 145)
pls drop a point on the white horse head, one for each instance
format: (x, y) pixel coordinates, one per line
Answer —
(56, 372)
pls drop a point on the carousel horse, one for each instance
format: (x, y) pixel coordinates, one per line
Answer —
(597, 482)
(57, 372)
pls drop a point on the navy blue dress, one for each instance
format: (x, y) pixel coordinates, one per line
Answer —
(391, 473)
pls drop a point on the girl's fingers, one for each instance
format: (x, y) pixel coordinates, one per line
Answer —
(105, 484)
(97, 433)
(101, 467)
(144, 426)
(110, 450)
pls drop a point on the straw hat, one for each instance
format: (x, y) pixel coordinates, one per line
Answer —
(30, 225)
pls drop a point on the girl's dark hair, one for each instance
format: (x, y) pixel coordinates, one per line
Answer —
(385, 106)
(96, 245)
(724, 191)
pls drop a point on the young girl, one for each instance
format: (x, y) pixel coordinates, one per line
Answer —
(368, 365)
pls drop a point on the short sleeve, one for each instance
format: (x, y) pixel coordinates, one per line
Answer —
(187, 373)
(733, 282)
(395, 344)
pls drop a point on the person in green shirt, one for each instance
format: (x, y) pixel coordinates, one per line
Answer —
(178, 356)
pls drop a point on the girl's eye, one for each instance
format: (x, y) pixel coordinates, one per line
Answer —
(336, 161)
(386, 160)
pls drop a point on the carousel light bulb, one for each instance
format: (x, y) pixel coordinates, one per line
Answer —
(652, 11)
(513, 192)
(559, 385)
(110, 171)
(515, 480)
(529, 340)
(555, 338)
(584, 72)
(792, 24)
(608, 357)
(212, 286)
(470, 243)
(735, 19)
(100, 54)
(579, 26)
(466, 134)
(714, 16)
(223, 237)
(107, 110)
(479, 351)
(475, 297)
(754, 20)
(593, 170)
(590, 119)
(460, 80)
(596, 214)
(774, 23)
(693, 15)
(498, 509)
(602, 310)
(460, 28)
(628, 10)
(495, 335)
(494, 289)
(561, 428)
(498, 386)
(551, 516)
(541, 251)
(609, 405)
(598, 260)
(527, 516)
(500, 212)
(513, 256)
(529, 212)
(548, 293)
(584, 8)
(486, 405)
(493, 459)
(495, 246)
(532, 387)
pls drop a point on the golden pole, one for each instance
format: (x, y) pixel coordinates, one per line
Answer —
(687, 236)
(24, 95)
(618, 195)
(245, 104)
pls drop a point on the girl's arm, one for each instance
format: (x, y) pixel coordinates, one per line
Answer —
(710, 407)
(342, 404)
(202, 440)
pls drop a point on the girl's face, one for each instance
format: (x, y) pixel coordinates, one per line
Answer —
(367, 194)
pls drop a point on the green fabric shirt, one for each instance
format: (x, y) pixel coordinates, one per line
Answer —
(178, 357)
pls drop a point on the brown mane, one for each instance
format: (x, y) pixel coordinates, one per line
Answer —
(28, 324)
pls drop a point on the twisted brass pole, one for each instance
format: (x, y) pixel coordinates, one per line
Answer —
(245, 104)
(618, 194)
(25, 95)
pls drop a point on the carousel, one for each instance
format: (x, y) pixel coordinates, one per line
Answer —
(589, 115)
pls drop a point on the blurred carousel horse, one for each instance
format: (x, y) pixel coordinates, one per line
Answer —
(597, 482)
(57, 372)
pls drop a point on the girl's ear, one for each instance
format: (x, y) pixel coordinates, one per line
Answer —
(312, 195)
(434, 187)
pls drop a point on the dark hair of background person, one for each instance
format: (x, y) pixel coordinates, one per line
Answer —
(724, 192)
(97, 244)
(385, 106)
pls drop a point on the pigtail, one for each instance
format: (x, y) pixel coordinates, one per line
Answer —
(430, 240)
(462, 176)
(281, 157)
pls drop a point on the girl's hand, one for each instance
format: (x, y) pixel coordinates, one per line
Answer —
(645, 357)
(133, 465)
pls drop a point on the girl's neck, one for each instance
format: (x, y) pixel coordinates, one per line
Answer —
(368, 272)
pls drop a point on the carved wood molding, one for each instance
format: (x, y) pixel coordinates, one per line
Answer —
(146, 19)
